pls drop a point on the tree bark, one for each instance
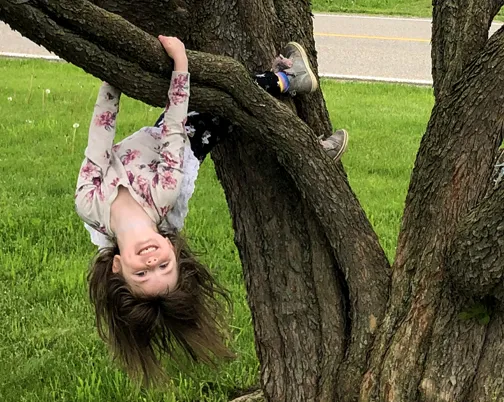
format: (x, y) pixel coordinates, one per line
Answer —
(476, 263)
(330, 324)
(487, 384)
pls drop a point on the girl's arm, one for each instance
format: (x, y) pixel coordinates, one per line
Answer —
(102, 129)
(103, 126)
(170, 172)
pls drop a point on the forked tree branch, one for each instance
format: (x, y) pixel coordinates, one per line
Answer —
(460, 31)
(135, 62)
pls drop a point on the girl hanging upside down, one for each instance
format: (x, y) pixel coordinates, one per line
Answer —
(149, 293)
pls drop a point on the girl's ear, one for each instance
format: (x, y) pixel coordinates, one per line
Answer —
(116, 264)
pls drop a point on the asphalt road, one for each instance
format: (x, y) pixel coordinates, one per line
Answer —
(349, 46)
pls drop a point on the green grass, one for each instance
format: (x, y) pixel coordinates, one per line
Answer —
(413, 8)
(420, 8)
(49, 349)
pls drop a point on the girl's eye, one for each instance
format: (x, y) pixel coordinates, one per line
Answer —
(163, 266)
(140, 273)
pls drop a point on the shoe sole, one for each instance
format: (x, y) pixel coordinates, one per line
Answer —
(304, 56)
(343, 146)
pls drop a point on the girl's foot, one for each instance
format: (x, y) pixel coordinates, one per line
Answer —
(294, 63)
(336, 144)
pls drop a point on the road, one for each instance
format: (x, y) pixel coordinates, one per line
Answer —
(349, 47)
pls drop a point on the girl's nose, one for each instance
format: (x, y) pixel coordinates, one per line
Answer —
(152, 260)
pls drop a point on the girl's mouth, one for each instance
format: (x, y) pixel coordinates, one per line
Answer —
(147, 250)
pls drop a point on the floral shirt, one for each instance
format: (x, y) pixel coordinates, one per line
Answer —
(149, 163)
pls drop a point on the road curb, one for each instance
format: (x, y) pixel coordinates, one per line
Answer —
(342, 77)
(30, 56)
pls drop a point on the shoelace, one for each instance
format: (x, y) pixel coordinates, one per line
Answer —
(333, 144)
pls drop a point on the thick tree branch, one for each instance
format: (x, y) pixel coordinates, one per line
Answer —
(125, 41)
(459, 32)
(78, 31)
(476, 263)
(180, 18)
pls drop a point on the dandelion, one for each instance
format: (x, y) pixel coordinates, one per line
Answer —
(29, 121)
(9, 98)
(44, 94)
(75, 127)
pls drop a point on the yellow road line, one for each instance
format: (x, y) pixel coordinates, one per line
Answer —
(371, 37)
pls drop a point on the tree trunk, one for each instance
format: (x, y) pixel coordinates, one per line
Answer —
(330, 323)
(424, 350)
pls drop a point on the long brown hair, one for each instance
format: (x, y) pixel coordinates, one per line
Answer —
(141, 329)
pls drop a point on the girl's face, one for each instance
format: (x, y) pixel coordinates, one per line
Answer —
(149, 265)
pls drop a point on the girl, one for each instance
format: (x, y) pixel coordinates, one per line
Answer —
(149, 292)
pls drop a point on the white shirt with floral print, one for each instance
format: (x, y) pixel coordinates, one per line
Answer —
(149, 163)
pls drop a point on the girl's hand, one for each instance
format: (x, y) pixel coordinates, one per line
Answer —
(176, 50)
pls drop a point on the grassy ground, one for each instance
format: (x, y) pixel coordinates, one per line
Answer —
(421, 8)
(414, 8)
(49, 349)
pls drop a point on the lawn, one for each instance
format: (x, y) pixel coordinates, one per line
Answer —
(50, 350)
(421, 8)
(414, 8)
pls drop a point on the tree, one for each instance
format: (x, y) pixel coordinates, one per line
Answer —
(332, 319)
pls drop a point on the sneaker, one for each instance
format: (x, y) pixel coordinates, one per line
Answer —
(294, 63)
(336, 144)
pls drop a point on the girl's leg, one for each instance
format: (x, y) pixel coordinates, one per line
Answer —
(271, 82)
(292, 74)
(204, 131)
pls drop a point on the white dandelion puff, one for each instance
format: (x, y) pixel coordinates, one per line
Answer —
(9, 98)
(76, 125)
(47, 91)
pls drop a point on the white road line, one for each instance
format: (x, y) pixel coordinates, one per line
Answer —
(30, 56)
(376, 79)
(371, 37)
